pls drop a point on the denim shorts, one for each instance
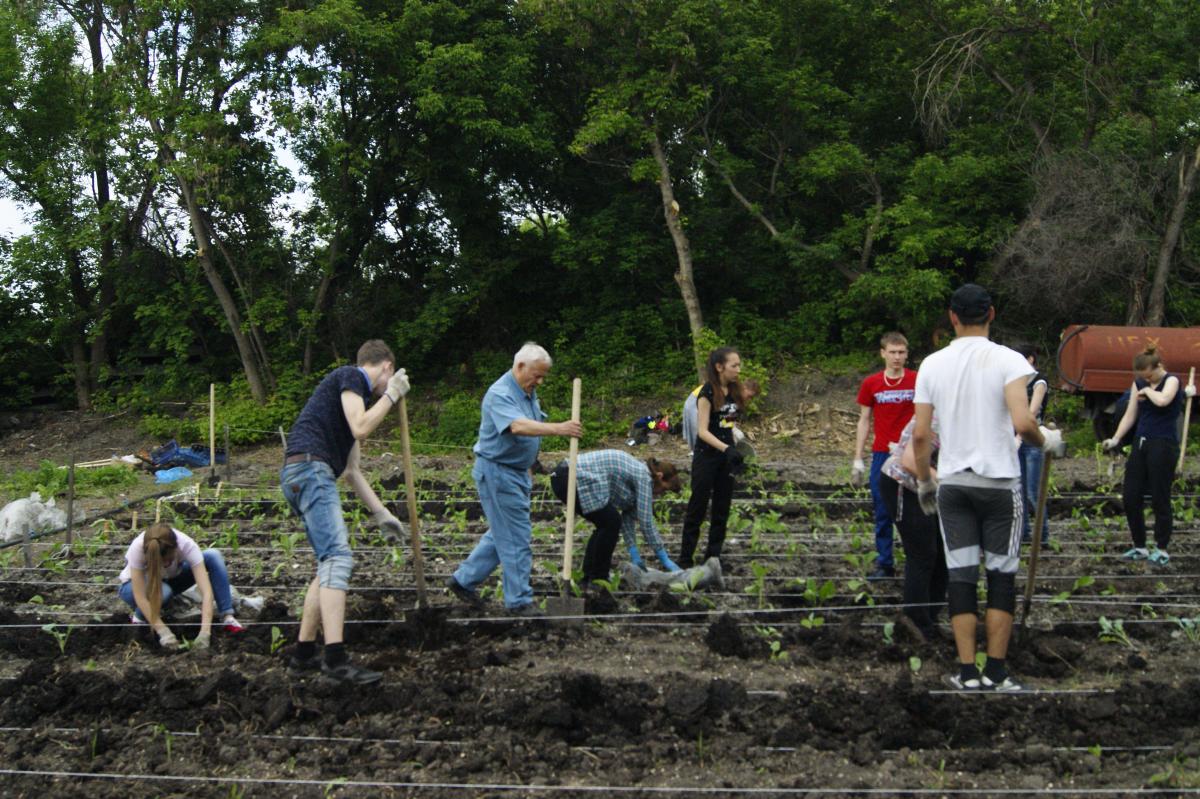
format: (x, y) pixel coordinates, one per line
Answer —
(311, 489)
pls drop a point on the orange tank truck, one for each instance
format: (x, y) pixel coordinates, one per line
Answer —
(1097, 362)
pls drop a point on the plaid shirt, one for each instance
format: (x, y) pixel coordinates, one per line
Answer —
(613, 477)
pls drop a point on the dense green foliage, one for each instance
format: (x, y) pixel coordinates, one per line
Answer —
(477, 173)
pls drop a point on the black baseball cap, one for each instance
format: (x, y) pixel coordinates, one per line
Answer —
(971, 301)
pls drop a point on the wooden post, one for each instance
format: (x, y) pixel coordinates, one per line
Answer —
(71, 503)
(133, 522)
(27, 548)
(212, 433)
(414, 522)
(228, 457)
(158, 511)
(1187, 421)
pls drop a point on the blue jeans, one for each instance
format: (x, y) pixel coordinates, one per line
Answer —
(504, 493)
(214, 564)
(1031, 459)
(311, 490)
(883, 518)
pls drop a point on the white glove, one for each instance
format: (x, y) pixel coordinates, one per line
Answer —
(1111, 443)
(927, 495)
(1189, 390)
(397, 387)
(738, 436)
(1052, 443)
(391, 527)
(167, 640)
(857, 469)
(202, 640)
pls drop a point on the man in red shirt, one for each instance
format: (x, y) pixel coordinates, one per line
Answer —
(888, 395)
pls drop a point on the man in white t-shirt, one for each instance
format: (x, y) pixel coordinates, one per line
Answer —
(978, 390)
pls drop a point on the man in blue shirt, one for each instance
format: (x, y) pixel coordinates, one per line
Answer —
(510, 432)
(323, 445)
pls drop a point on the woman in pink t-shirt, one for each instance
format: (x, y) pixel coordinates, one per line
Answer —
(163, 556)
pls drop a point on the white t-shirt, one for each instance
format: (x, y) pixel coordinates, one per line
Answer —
(186, 551)
(965, 384)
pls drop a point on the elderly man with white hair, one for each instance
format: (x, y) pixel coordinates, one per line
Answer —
(510, 434)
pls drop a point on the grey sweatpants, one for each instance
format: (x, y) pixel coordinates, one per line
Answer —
(975, 519)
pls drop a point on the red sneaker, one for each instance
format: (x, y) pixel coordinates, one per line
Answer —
(232, 625)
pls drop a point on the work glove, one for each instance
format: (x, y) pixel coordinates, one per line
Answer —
(391, 527)
(1052, 442)
(734, 458)
(738, 436)
(665, 560)
(202, 640)
(167, 640)
(857, 470)
(927, 496)
(1111, 443)
(397, 386)
(1189, 390)
(635, 557)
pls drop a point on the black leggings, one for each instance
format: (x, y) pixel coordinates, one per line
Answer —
(597, 558)
(711, 479)
(925, 575)
(1150, 469)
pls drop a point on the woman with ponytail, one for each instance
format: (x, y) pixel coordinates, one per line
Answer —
(162, 562)
(1155, 402)
(715, 459)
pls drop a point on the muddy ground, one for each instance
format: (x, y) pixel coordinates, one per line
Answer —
(774, 682)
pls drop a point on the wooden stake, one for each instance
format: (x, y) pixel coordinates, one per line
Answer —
(410, 487)
(157, 511)
(228, 457)
(212, 432)
(133, 522)
(572, 477)
(71, 503)
(1187, 421)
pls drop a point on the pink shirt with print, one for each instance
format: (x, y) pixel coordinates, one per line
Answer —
(186, 551)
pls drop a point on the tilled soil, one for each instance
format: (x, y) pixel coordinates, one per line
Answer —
(767, 684)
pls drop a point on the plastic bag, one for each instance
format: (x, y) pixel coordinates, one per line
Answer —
(171, 475)
(29, 514)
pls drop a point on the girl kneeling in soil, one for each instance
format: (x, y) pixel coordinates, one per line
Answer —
(716, 459)
(925, 575)
(1155, 402)
(615, 491)
(165, 558)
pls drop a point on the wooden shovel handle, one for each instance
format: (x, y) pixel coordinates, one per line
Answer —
(1187, 421)
(572, 461)
(414, 525)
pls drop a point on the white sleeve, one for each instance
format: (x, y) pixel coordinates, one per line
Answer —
(923, 393)
(1016, 367)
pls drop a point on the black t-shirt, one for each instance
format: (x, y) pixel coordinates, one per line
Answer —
(321, 430)
(720, 420)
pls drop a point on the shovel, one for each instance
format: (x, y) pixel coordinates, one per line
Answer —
(414, 520)
(565, 604)
(1036, 531)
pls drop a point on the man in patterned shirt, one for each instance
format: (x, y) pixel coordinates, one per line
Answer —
(615, 491)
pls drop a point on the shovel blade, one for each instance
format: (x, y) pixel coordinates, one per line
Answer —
(565, 606)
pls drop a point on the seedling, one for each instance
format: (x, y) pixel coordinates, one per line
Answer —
(1083, 582)
(60, 636)
(889, 633)
(161, 729)
(277, 639)
(759, 586)
(1113, 632)
(812, 622)
(914, 664)
(1190, 628)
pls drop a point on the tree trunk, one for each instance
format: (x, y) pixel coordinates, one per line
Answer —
(683, 250)
(1157, 300)
(250, 364)
(79, 365)
(321, 301)
(98, 145)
